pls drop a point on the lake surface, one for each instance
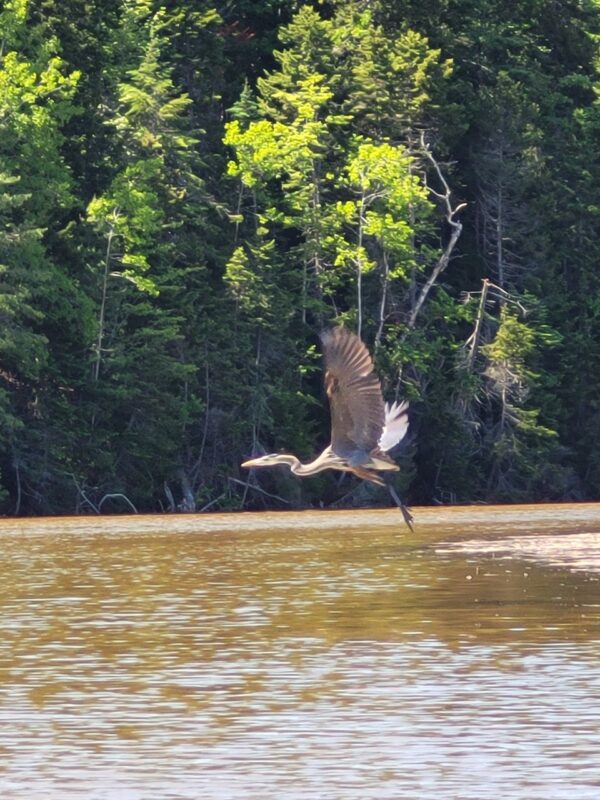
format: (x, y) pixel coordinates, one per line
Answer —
(302, 656)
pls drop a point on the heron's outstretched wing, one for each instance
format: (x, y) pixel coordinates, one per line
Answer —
(354, 392)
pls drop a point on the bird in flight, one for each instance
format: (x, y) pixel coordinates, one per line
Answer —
(363, 428)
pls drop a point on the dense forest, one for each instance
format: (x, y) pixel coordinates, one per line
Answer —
(190, 191)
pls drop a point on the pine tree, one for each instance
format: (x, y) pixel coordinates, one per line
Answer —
(140, 367)
(36, 293)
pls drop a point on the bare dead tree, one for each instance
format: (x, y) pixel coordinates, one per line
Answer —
(504, 223)
(473, 341)
(443, 194)
(112, 224)
(17, 468)
(451, 211)
(385, 281)
(490, 293)
(84, 496)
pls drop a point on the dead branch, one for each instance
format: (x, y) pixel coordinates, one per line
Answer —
(258, 489)
(212, 502)
(170, 497)
(474, 339)
(117, 494)
(456, 226)
(86, 499)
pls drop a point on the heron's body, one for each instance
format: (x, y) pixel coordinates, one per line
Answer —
(363, 428)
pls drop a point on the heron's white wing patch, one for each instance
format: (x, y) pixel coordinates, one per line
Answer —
(395, 426)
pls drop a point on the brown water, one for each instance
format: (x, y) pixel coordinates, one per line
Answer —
(309, 656)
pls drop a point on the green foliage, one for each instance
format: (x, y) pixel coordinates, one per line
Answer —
(189, 192)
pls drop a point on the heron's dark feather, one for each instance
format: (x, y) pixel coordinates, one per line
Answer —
(354, 392)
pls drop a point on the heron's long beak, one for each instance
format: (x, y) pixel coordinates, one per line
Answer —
(253, 462)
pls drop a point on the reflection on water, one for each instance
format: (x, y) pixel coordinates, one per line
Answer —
(284, 656)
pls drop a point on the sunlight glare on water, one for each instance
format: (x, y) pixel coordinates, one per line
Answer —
(326, 655)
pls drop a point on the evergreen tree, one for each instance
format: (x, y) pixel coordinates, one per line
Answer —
(140, 368)
(36, 293)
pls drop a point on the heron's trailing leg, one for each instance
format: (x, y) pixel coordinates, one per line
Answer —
(408, 518)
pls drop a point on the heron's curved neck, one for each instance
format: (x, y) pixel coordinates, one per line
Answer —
(318, 465)
(287, 458)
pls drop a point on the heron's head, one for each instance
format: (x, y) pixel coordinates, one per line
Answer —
(270, 460)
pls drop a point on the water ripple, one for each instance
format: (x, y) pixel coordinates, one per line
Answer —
(338, 659)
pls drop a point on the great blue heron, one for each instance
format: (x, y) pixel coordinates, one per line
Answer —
(363, 428)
